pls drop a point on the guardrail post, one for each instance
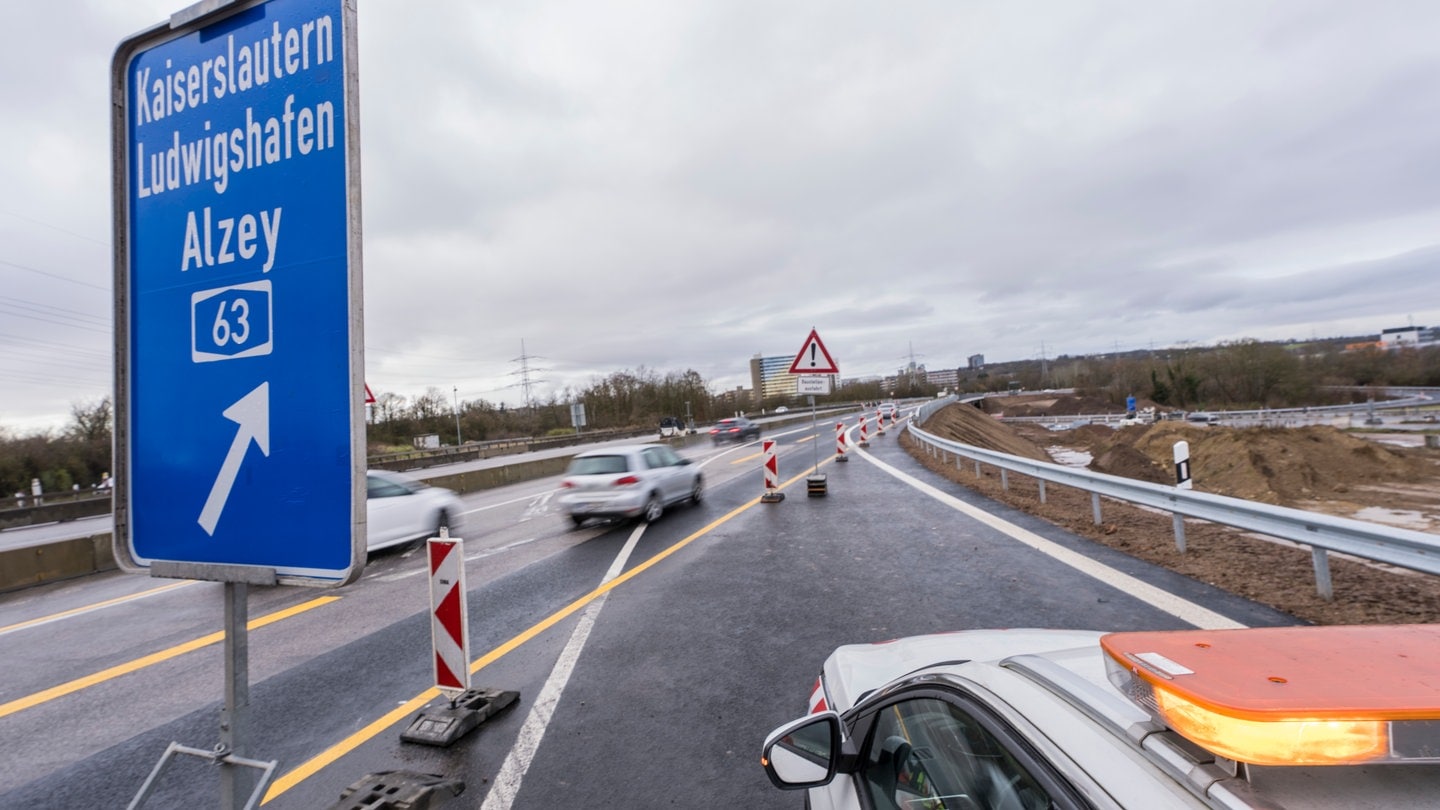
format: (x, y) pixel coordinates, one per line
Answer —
(1004, 479)
(1322, 573)
(1179, 532)
(1042, 489)
(977, 468)
(1095, 507)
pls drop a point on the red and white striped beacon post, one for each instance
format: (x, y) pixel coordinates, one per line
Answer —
(840, 442)
(449, 624)
(864, 433)
(879, 422)
(772, 473)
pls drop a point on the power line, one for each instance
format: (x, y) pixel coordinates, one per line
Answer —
(102, 243)
(54, 276)
(50, 309)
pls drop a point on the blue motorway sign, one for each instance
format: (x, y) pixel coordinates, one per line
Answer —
(239, 357)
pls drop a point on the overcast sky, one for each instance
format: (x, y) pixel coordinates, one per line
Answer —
(682, 185)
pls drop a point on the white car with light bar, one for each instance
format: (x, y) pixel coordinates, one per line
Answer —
(1278, 717)
(629, 481)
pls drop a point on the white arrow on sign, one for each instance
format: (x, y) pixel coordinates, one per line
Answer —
(252, 413)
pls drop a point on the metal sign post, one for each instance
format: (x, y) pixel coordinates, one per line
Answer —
(814, 366)
(239, 348)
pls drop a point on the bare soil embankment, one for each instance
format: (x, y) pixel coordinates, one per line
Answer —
(1315, 468)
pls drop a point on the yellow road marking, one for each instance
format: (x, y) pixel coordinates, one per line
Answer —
(76, 685)
(804, 439)
(97, 606)
(745, 459)
(329, 756)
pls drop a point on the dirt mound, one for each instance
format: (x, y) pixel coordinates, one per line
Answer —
(1126, 461)
(1317, 467)
(1276, 465)
(970, 425)
(1090, 435)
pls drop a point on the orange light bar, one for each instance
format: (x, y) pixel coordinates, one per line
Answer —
(1289, 695)
(1276, 742)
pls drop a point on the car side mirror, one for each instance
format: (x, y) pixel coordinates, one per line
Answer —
(685, 462)
(803, 753)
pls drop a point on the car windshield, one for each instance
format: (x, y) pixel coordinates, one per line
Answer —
(598, 465)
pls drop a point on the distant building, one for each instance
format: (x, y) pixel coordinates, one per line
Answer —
(975, 361)
(771, 377)
(944, 378)
(728, 402)
(1401, 336)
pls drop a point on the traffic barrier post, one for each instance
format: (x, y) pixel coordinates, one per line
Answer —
(840, 442)
(772, 473)
(450, 639)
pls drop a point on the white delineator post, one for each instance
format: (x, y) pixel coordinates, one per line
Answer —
(864, 433)
(1182, 481)
(840, 442)
(772, 473)
(449, 624)
(879, 422)
(1182, 465)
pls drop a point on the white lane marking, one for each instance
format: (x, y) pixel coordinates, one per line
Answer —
(1182, 609)
(547, 494)
(119, 600)
(539, 505)
(507, 782)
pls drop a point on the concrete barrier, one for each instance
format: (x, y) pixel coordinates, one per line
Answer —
(55, 511)
(63, 559)
(476, 480)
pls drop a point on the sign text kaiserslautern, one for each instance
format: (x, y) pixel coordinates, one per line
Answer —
(238, 350)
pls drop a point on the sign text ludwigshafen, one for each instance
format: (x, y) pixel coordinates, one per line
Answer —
(233, 68)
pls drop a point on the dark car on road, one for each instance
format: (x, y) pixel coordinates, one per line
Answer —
(738, 429)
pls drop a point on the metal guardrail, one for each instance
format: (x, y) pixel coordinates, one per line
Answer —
(1417, 551)
(1402, 398)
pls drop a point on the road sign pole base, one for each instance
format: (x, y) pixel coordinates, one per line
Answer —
(444, 725)
(772, 496)
(815, 485)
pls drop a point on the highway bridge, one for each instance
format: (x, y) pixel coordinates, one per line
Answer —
(650, 660)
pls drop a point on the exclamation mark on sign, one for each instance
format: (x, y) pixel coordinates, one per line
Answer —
(812, 355)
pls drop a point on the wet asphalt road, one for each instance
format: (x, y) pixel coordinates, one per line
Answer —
(672, 674)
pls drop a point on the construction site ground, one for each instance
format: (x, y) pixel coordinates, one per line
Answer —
(1316, 468)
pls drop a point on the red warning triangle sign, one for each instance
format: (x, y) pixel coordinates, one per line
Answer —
(813, 358)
